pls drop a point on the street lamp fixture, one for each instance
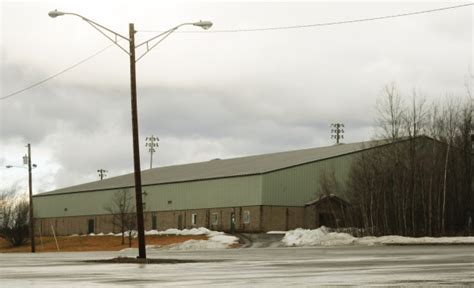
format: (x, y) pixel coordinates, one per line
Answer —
(55, 13)
(203, 24)
(133, 59)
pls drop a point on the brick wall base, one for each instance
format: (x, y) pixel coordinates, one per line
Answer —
(245, 219)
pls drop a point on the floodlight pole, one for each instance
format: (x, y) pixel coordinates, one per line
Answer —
(30, 186)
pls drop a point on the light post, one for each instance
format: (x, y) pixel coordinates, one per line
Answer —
(102, 173)
(133, 88)
(337, 132)
(152, 142)
(27, 161)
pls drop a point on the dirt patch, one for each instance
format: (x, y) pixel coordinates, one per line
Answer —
(94, 243)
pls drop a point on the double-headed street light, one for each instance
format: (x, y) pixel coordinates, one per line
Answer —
(133, 59)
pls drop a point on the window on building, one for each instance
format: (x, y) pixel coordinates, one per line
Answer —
(214, 219)
(246, 217)
(194, 218)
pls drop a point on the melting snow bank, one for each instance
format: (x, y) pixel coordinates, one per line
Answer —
(216, 240)
(193, 231)
(323, 237)
(317, 237)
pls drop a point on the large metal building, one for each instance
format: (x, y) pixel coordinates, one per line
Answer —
(247, 194)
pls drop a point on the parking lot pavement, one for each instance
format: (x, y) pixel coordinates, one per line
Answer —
(270, 267)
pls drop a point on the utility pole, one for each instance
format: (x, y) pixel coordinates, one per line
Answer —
(472, 125)
(136, 147)
(133, 87)
(337, 131)
(30, 186)
(102, 174)
(152, 143)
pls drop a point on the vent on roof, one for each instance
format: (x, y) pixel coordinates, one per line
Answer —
(215, 159)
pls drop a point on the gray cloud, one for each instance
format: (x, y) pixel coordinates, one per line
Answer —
(217, 95)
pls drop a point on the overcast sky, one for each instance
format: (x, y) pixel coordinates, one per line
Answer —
(210, 95)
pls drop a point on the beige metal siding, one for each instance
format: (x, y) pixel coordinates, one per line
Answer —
(225, 192)
(74, 204)
(299, 185)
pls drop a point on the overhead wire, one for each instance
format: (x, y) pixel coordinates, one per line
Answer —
(248, 30)
(57, 74)
(325, 23)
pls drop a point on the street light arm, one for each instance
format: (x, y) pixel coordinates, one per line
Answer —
(33, 166)
(96, 26)
(115, 41)
(148, 49)
(161, 34)
(203, 24)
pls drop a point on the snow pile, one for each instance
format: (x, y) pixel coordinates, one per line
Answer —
(126, 233)
(323, 237)
(400, 240)
(193, 231)
(317, 237)
(216, 240)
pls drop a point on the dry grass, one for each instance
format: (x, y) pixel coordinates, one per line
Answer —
(92, 243)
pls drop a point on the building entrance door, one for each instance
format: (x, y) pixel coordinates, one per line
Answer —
(180, 222)
(90, 226)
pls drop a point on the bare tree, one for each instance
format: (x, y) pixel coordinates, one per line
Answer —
(414, 121)
(390, 113)
(122, 208)
(450, 122)
(14, 217)
(418, 185)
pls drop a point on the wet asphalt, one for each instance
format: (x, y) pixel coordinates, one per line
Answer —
(251, 267)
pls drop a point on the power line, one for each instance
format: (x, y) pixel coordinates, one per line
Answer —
(323, 24)
(56, 75)
(246, 30)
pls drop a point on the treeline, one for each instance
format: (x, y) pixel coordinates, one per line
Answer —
(420, 186)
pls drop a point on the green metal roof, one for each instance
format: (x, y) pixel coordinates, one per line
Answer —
(222, 168)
